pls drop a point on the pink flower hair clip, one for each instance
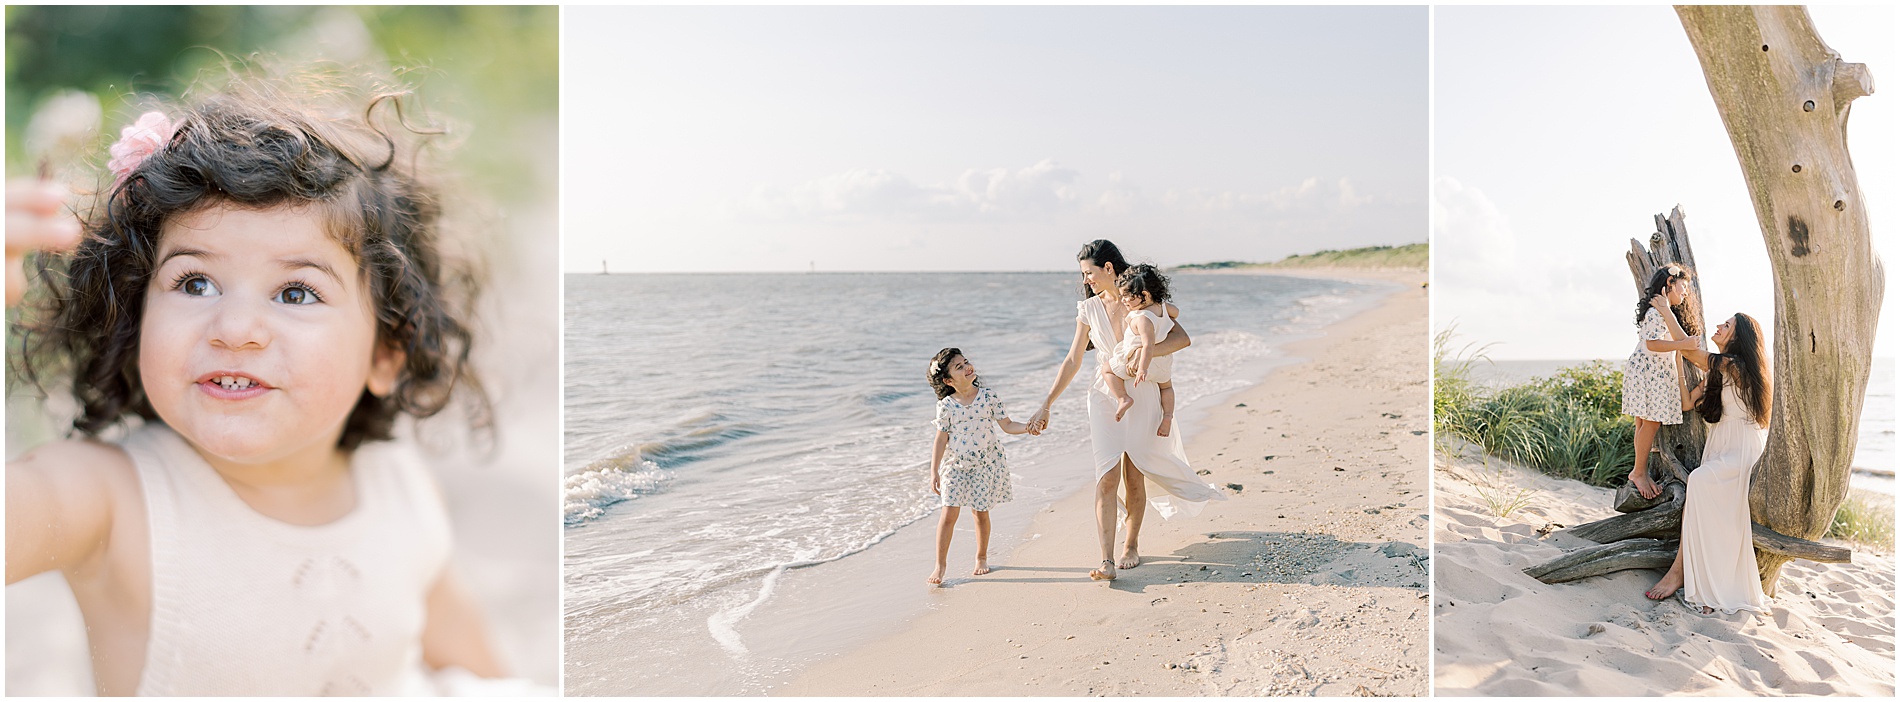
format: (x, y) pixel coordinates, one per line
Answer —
(145, 137)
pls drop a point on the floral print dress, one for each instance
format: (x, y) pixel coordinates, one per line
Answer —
(1649, 377)
(973, 473)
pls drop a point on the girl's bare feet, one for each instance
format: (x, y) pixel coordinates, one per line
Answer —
(1671, 581)
(1644, 486)
(1122, 405)
(982, 566)
(936, 576)
(1167, 424)
(1129, 559)
(1106, 572)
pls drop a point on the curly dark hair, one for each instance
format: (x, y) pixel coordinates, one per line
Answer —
(1743, 361)
(1143, 278)
(939, 374)
(1686, 313)
(260, 143)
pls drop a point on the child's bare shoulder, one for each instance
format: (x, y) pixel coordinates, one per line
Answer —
(79, 463)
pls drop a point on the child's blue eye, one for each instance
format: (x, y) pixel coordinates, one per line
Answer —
(198, 286)
(297, 294)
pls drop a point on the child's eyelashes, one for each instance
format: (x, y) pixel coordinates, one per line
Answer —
(297, 294)
(199, 285)
(195, 284)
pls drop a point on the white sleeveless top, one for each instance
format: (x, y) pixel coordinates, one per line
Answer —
(243, 604)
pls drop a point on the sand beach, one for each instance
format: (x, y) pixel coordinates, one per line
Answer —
(1310, 579)
(1500, 632)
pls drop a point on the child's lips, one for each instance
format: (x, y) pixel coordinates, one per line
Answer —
(232, 385)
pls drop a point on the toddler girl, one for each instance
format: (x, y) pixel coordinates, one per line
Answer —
(1651, 377)
(975, 475)
(256, 299)
(1144, 291)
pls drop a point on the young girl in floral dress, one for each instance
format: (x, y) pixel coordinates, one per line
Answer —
(1651, 376)
(966, 461)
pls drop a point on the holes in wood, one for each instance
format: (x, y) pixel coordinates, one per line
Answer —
(1764, 47)
(1797, 168)
(1807, 106)
(1798, 235)
(1840, 205)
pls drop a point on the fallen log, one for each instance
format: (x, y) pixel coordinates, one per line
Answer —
(1629, 554)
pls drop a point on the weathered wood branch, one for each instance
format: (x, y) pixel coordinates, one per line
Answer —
(1770, 541)
(1663, 521)
(1629, 500)
(1629, 554)
(1784, 97)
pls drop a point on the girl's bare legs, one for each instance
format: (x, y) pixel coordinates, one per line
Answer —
(1670, 582)
(1105, 503)
(1137, 506)
(946, 525)
(1167, 409)
(1639, 476)
(982, 541)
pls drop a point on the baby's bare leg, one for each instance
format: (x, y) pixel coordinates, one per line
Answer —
(1167, 409)
(1118, 389)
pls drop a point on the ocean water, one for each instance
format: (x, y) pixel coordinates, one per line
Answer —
(1873, 450)
(722, 429)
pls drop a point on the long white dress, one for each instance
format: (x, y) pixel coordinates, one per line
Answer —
(1718, 552)
(1161, 458)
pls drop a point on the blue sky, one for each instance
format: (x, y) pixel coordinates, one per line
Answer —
(1562, 130)
(976, 138)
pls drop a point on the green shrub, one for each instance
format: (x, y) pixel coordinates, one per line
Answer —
(1570, 424)
(1865, 518)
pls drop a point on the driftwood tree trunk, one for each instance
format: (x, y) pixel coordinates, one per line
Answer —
(1784, 97)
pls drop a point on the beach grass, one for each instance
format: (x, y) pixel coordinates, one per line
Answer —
(1865, 518)
(1569, 425)
(1409, 256)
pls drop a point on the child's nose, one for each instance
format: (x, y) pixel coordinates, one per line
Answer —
(241, 323)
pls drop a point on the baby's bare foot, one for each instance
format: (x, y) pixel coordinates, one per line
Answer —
(1121, 407)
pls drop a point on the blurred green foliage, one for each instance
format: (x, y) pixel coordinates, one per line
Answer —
(491, 72)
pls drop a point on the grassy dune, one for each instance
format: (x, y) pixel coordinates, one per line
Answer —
(1412, 256)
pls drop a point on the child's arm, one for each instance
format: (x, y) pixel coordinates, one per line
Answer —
(455, 635)
(1012, 427)
(936, 461)
(1144, 351)
(1678, 340)
(60, 500)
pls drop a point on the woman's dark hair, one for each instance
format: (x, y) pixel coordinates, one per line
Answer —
(1744, 362)
(1686, 313)
(254, 145)
(939, 374)
(1101, 252)
(1143, 278)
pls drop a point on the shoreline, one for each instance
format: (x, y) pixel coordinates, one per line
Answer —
(1320, 593)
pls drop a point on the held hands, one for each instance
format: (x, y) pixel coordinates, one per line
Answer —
(1038, 422)
(34, 222)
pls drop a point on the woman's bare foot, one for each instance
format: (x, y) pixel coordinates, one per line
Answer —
(1122, 405)
(936, 576)
(1167, 425)
(1671, 581)
(1644, 486)
(982, 566)
(1107, 572)
(1129, 559)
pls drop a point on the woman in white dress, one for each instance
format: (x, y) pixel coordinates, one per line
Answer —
(1715, 566)
(1127, 452)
